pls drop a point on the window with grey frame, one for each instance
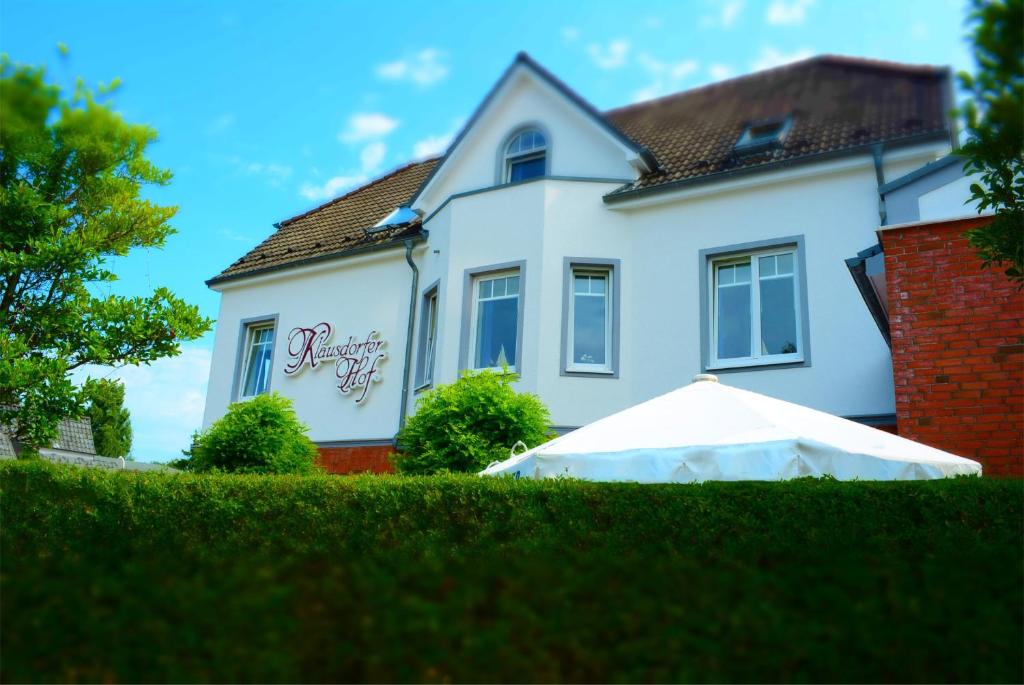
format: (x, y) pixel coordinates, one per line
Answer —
(525, 156)
(495, 323)
(590, 316)
(755, 308)
(428, 339)
(256, 364)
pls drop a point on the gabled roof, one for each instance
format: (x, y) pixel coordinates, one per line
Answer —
(833, 106)
(337, 227)
(524, 61)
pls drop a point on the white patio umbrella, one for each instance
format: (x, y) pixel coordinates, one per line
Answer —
(709, 431)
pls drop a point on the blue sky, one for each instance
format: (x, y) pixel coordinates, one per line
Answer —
(265, 110)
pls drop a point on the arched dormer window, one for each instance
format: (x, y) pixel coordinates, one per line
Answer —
(526, 156)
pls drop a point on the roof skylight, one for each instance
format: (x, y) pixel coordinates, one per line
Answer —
(763, 135)
(397, 217)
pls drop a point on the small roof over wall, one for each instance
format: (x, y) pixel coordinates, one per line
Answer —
(903, 195)
(74, 445)
(73, 436)
(937, 192)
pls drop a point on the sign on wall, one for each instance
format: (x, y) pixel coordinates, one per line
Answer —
(356, 361)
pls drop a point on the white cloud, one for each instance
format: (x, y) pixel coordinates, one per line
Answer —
(165, 399)
(434, 145)
(220, 124)
(731, 12)
(330, 188)
(393, 70)
(611, 57)
(727, 12)
(782, 12)
(681, 70)
(649, 63)
(234, 235)
(648, 92)
(431, 146)
(424, 68)
(370, 158)
(570, 34)
(276, 174)
(718, 72)
(367, 126)
(666, 77)
(771, 57)
(372, 155)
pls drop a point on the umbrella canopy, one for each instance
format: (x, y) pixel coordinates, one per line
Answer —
(709, 431)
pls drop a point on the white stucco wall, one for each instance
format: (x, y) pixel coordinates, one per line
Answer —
(355, 296)
(849, 372)
(832, 205)
(578, 146)
(659, 276)
(948, 201)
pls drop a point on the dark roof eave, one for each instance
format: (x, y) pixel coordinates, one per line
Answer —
(921, 172)
(596, 115)
(417, 237)
(622, 195)
(858, 271)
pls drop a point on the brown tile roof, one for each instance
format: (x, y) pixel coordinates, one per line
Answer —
(834, 105)
(337, 226)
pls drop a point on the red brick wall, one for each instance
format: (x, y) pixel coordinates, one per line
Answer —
(371, 458)
(957, 346)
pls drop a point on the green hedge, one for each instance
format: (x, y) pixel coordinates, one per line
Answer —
(127, 577)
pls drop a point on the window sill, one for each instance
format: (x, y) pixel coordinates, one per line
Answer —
(586, 373)
(423, 386)
(756, 366)
(511, 370)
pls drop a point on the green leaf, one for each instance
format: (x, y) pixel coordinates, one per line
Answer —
(72, 174)
(994, 127)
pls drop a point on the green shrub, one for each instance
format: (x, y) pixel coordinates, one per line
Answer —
(466, 425)
(129, 577)
(111, 421)
(260, 435)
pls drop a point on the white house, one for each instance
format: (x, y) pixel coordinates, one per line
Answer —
(606, 257)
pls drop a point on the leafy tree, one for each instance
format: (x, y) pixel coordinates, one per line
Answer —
(994, 120)
(468, 424)
(111, 422)
(71, 175)
(261, 435)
